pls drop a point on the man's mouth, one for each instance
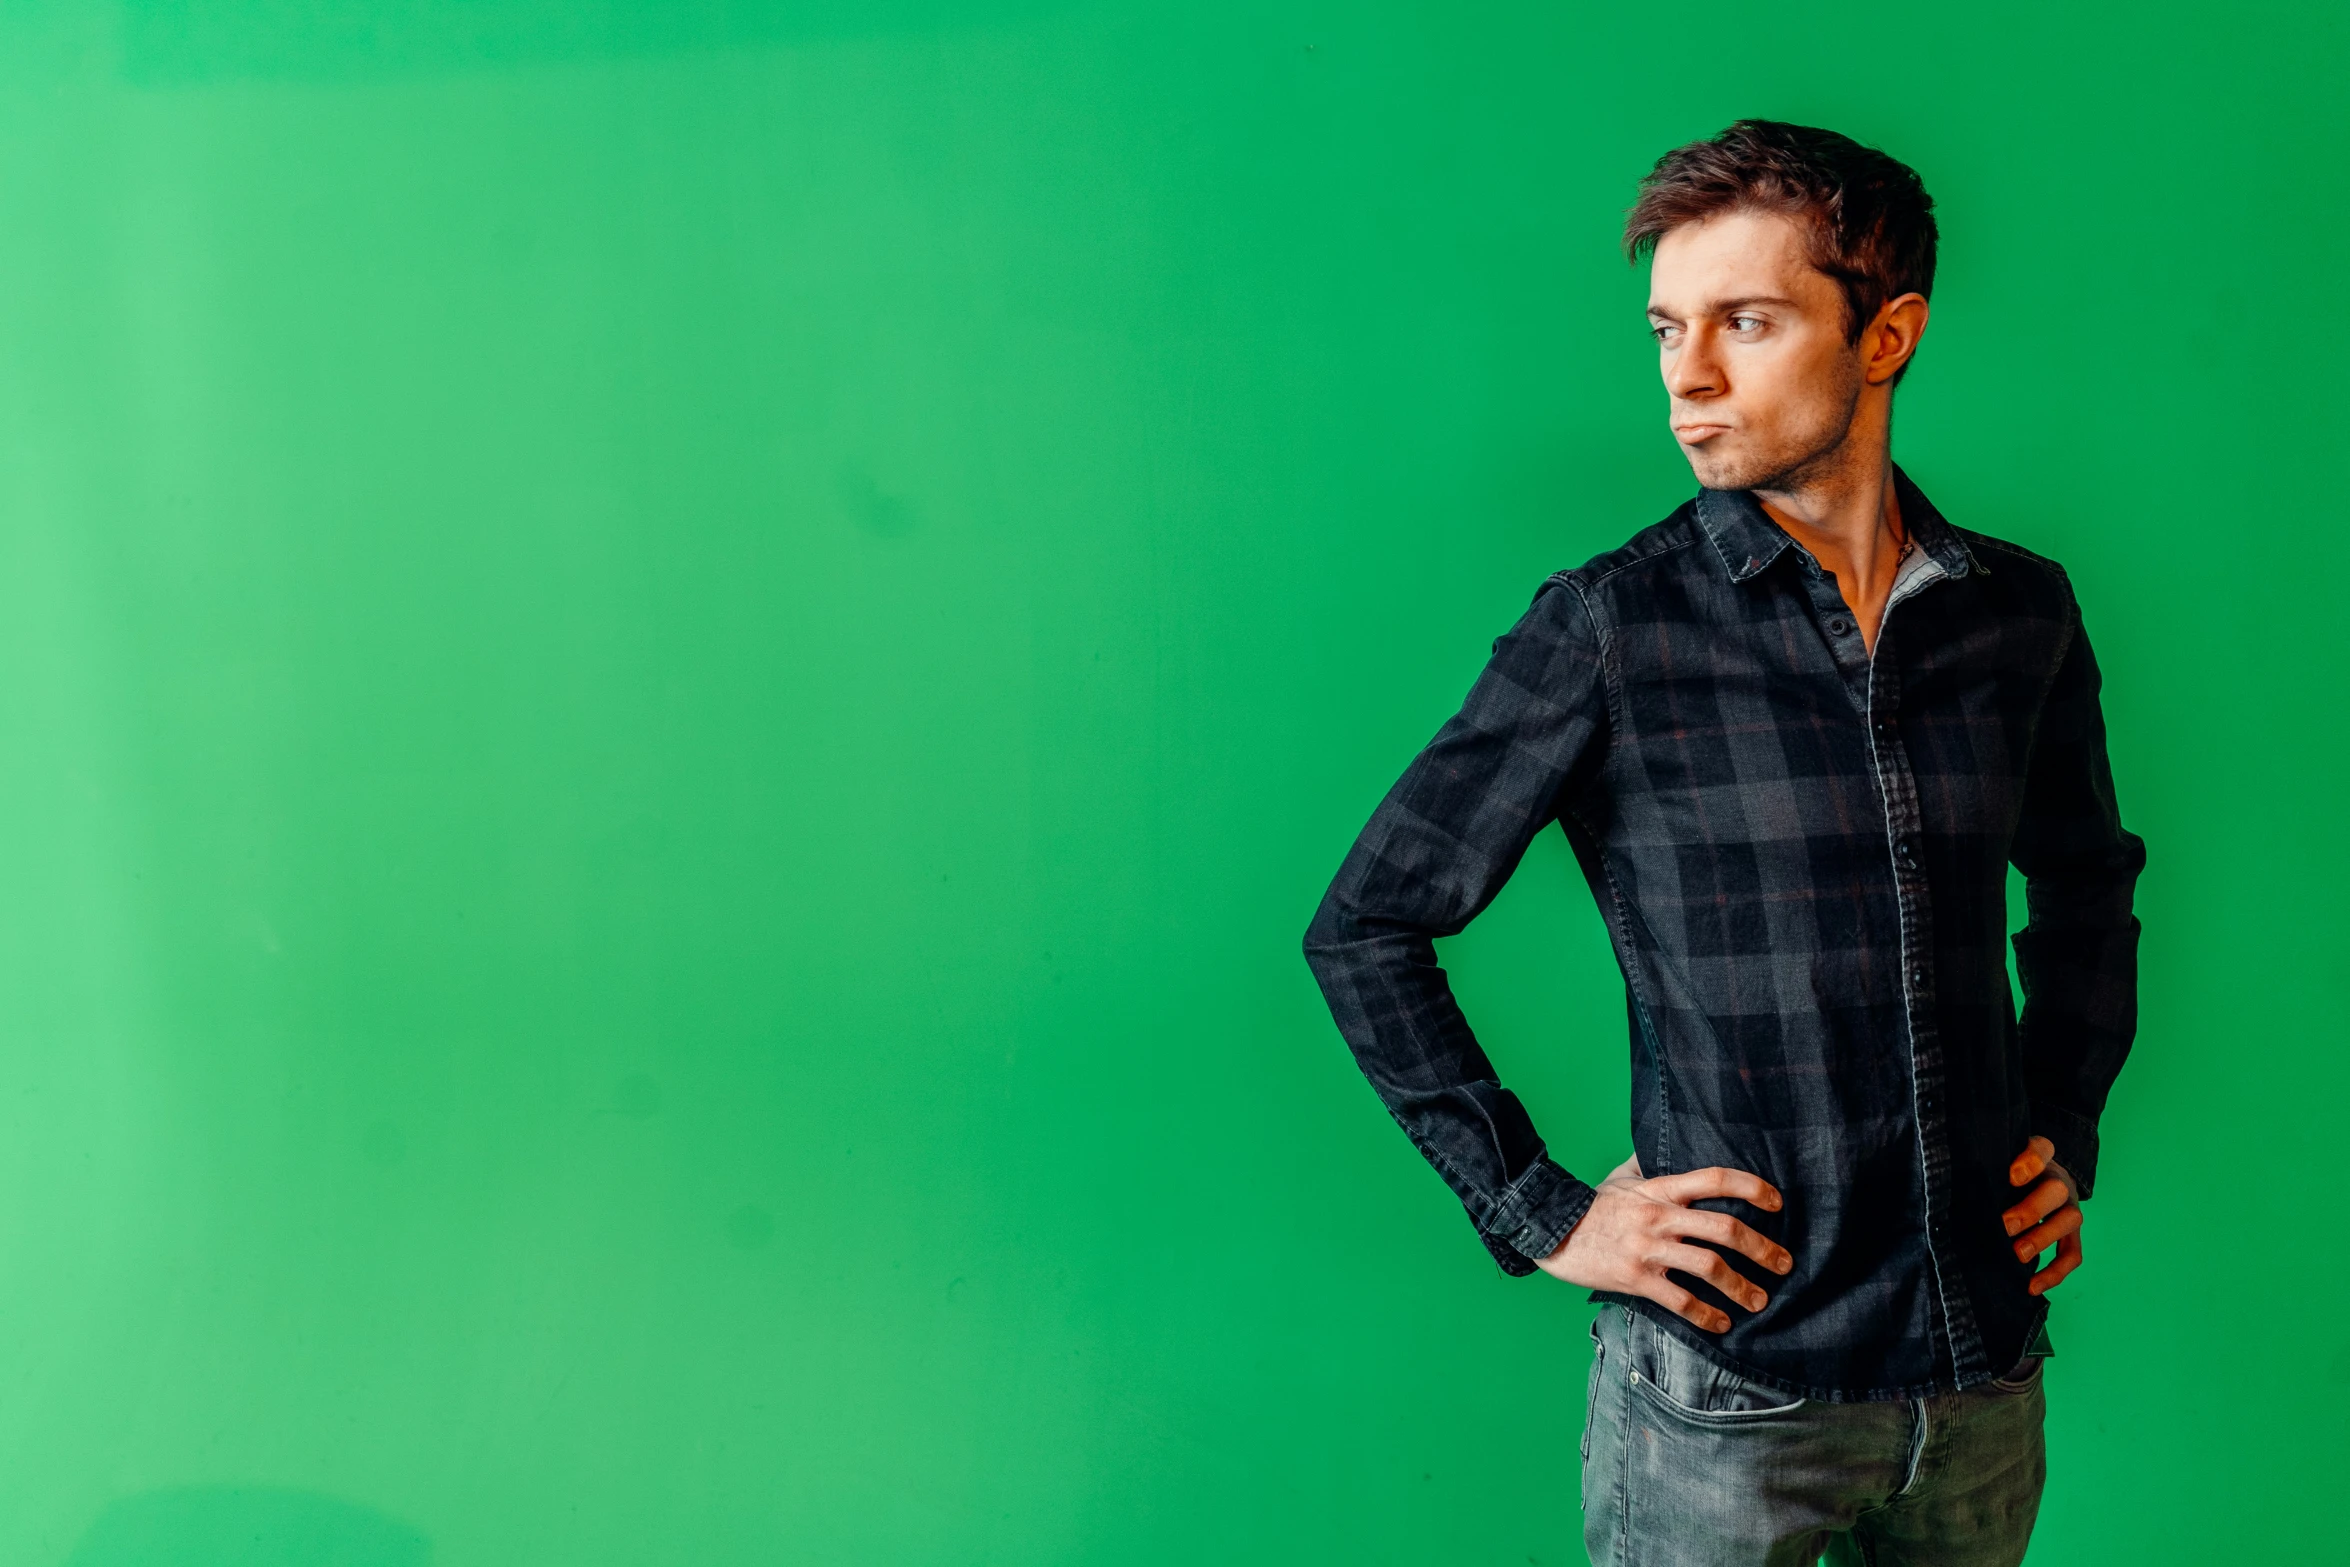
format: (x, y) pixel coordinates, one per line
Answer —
(1691, 434)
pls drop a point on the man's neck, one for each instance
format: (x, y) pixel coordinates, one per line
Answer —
(1849, 518)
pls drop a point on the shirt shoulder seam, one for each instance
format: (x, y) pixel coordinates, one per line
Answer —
(1576, 575)
(2033, 557)
(1603, 645)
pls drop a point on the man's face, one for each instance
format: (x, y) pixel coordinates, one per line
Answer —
(1750, 336)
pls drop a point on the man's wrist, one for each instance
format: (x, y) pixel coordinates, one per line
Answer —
(1541, 1207)
(2071, 1186)
(2075, 1139)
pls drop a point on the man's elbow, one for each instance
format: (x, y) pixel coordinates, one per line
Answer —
(1328, 934)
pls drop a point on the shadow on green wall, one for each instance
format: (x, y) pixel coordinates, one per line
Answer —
(246, 1526)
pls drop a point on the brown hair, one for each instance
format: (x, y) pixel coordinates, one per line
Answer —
(1871, 221)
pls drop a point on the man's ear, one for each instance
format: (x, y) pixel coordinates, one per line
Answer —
(1893, 337)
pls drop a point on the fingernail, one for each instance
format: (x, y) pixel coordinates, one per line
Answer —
(2013, 1226)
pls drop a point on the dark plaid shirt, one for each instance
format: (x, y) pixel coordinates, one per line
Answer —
(1801, 855)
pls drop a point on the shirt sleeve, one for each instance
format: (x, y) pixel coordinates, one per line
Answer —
(2078, 952)
(1435, 853)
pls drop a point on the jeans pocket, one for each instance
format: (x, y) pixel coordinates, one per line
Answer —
(2022, 1377)
(1688, 1384)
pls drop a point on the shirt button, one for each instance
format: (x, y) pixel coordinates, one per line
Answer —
(1839, 626)
(1918, 977)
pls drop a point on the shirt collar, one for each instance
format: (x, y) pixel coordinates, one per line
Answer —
(1748, 541)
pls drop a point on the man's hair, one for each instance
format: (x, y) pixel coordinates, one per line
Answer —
(1870, 219)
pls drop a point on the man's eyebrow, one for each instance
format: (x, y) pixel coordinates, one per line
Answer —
(1718, 307)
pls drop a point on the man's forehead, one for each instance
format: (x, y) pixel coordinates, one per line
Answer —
(1737, 256)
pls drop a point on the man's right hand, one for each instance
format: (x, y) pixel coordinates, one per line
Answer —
(1635, 1229)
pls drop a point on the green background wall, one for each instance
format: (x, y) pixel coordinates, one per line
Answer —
(675, 678)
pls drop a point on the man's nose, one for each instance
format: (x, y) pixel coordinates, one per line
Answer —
(1694, 370)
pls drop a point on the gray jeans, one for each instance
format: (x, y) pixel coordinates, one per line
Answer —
(1688, 1465)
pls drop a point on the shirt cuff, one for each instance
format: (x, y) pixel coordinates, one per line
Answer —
(1535, 1214)
(2076, 1142)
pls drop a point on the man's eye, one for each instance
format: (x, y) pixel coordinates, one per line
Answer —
(1746, 323)
(1663, 332)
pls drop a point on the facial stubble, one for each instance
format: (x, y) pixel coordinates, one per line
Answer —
(1801, 457)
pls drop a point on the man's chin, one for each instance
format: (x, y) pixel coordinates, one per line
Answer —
(1718, 470)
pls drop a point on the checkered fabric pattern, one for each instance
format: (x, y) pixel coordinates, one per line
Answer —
(1800, 851)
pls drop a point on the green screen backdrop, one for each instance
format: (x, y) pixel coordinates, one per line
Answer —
(675, 677)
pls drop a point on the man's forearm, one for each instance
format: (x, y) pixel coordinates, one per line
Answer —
(1397, 1013)
(2078, 954)
(1440, 846)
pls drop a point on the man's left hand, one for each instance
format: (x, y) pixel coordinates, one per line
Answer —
(2049, 1216)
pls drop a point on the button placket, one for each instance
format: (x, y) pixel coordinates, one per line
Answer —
(1897, 786)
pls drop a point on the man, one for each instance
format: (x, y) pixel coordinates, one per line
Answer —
(1796, 733)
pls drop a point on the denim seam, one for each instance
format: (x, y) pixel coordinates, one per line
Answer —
(1619, 928)
(1627, 956)
(1505, 1207)
(1603, 645)
(2006, 547)
(1628, 959)
(1591, 1412)
(1659, 553)
(1716, 1419)
(1624, 1458)
(1444, 1166)
(1664, 1098)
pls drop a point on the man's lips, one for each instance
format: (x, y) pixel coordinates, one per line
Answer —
(1691, 434)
